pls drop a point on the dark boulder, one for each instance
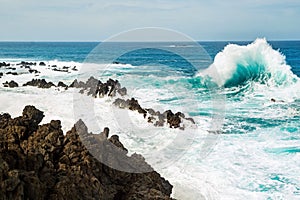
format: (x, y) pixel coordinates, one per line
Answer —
(23, 63)
(76, 84)
(40, 83)
(59, 70)
(33, 71)
(10, 84)
(4, 64)
(12, 73)
(173, 119)
(42, 64)
(11, 68)
(61, 84)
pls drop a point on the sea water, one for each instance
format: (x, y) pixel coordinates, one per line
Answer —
(243, 144)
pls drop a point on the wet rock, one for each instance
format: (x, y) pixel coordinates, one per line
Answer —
(33, 71)
(24, 63)
(161, 119)
(131, 104)
(76, 84)
(151, 111)
(122, 91)
(40, 83)
(121, 103)
(40, 162)
(61, 84)
(155, 117)
(12, 73)
(191, 120)
(96, 88)
(59, 70)
(173, 119)
(150, 119)
(11, 68)
(115, 140)
(4, 64)
(10, 84)
(42, 64)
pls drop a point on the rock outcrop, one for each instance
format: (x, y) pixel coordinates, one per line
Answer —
(155, 117)
(42, 64)
(40, 83)
(10, 84)
(40, 162)
(96, 88)
(12, 73)
(61, 84)
(24, 63)
(4, 64)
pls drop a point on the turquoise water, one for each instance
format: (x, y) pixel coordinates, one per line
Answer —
(257, 153)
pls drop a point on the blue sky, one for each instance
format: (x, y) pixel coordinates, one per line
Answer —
(96, 20)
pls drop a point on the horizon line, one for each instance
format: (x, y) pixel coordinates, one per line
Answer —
(94, 41)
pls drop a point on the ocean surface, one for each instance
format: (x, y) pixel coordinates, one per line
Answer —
(243, 96)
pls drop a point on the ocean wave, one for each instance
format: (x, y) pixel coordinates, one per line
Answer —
(257, 62)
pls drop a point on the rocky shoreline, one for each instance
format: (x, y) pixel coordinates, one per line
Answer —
(40, 162)
(111, 88)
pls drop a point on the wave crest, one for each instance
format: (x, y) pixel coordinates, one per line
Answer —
(256, 62)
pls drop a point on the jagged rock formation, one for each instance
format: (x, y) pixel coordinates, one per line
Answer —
(96, 88)
(155, 117)
(40, 83)
(4, 64)
(40, 162)
(61, 84)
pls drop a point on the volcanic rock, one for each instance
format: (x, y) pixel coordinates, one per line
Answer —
(23, 63)
(40, 162)
(40, 83)
(12, 73)
(42, 64)
(10, 84)
(61, 84)
(4, 64)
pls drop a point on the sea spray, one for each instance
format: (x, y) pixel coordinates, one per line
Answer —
(258, 62)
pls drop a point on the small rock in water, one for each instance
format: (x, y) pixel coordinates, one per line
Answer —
(61, 84)
(10, 84)
(12, 73)
(42, 64)
(40, 83)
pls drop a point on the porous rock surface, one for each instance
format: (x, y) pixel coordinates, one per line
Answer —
(40, 162)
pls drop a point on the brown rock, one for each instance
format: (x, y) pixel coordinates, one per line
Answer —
(40, 162)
